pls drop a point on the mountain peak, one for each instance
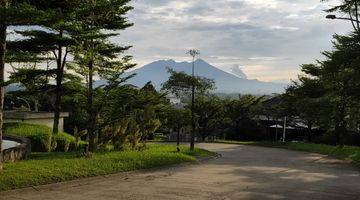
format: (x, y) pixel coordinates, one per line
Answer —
(234, 82)
(199, 60)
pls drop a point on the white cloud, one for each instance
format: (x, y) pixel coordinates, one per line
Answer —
(287, 28)
(268, 4)
(275, 34)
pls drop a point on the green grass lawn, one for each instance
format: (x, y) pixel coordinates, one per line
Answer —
(350, 153)
(44, 168)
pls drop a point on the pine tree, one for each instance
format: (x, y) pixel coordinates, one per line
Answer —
(13, 13)
(94, 54)
(52, 41)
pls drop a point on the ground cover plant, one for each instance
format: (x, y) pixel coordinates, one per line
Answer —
(44, 168)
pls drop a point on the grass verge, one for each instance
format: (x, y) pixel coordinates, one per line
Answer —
(45, 168)
(349, 153)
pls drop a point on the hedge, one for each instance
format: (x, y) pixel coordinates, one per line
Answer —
(42, 139)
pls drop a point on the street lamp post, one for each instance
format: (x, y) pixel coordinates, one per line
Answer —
(284, 130)
(193, 53)
(355, 22)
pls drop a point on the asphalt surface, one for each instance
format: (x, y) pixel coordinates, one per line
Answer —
(243, 172)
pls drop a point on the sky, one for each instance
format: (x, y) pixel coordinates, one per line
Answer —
(268, 39)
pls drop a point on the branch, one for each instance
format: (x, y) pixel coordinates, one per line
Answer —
(352, 21)
(64, 59)
(357, 15)
(13, 67)
(55, 55)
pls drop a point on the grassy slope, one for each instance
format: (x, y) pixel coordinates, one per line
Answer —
(350, 153)
(44, 168)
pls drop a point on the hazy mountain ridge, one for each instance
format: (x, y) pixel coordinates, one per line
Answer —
(156, 72)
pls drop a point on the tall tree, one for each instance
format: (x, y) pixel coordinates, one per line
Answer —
(180, 84)
(3, 27)
(94, 53)
(12, 13)
(53, 40)
(241, 111)
(186, 86)
(35, 82)
(176, 120)
(210, 114)
(310, 92)
(338, 78)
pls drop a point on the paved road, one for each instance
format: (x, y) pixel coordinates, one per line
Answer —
(243, 172)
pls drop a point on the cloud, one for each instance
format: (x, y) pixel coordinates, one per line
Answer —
(267, 58)
(288, 28)
(271, 38)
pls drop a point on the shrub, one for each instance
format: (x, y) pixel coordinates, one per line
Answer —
(160, 137)
(64, 142)
(42, 139)
(39, 135)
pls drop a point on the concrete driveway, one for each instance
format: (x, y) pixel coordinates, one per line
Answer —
(243, 172)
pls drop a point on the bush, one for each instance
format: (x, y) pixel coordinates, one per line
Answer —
(40, 136)
(42, 139)
(160, 137)
(64, 142)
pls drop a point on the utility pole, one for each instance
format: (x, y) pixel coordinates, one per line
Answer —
(284, 130)
(193, 53)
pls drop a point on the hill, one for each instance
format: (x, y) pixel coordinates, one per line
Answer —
(156, 72)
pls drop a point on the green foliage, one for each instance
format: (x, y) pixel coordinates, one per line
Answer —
(128, 116)
(134, 134)
(94, 53)
(147, 122)
(330, 89)
(181, 84)
(241, 117)
(176, 119)
(64, 142)
(41, 137)
(210, 112)
(131, 132)
(115, 134)
(159, 138)
(45, 168)
(35, 83)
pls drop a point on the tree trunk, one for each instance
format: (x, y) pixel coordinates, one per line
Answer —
(36, 105)
(340, 126)
(58, 89)
(178, 137)
(2, 79)
(337, 134)
(340, 131)
(204, 133)
(91, 113)
(309, 132)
